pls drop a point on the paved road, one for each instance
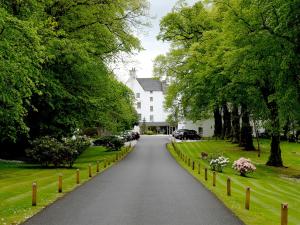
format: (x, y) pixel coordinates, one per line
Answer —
(147, 188)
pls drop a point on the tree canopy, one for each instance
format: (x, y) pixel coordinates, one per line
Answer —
(232, 59)
(54, 57)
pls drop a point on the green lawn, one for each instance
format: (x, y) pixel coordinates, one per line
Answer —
(16, 180)
(269, 186)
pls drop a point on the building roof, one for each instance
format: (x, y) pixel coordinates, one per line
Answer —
(150, 84)
(155, 124)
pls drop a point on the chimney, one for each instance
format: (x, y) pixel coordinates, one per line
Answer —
(132, 73)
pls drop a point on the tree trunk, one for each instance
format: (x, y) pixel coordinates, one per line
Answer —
(255, 124)
(286, 130)
(99, 131)
(235, 124)
(275, 156)
(226, 131)
(218, 123)
(246, 139)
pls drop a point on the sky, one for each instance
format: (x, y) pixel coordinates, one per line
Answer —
(143, 61)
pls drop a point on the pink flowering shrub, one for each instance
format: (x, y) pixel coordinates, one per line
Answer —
(243, 166)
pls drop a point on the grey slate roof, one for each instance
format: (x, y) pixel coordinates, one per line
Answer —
(150, 84)
(155, 124)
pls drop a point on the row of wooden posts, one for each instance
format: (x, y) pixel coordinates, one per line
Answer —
(191, 163)
(106, 162)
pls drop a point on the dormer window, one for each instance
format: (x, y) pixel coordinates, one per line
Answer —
(138, 95)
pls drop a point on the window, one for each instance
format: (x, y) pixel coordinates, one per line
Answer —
(138, 105)
(151, 118)
(151, 108)
(140, 116)
(200, 131)
(151, 92)
(138, 95)
(151, 99)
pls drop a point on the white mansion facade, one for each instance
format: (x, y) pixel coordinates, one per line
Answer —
(150, 95)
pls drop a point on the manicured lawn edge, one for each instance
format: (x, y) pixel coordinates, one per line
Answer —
(206, 184)
(83, 180)
(270, 187)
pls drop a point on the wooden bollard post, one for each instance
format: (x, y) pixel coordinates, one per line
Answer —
(34, 191)
(90, 170)
(77, 176)
(98, 169)
(247, 203)
(60, 183)
(108, 162)
(228, 186)
(193, 165)
(205, 174)
(284, 214)
(199, 168)
(214, 178)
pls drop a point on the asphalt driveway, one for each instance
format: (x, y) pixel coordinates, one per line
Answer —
(146, 188)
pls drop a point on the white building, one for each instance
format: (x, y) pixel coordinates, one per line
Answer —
(205, 128)
(149, 95)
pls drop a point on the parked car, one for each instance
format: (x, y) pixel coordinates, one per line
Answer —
(177, 132)
(136, 135)
(187, 135)
(129, 135)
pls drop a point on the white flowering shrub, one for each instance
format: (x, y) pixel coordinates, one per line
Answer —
(243, 166)
(218, 163)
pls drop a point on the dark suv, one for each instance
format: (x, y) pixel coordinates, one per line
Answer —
(177, 133)
(187, 135)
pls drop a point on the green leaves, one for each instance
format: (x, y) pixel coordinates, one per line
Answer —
(234, 51)
(53, 57)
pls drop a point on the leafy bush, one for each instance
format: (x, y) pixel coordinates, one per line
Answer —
(243, 166)
(149, 132)
(74, 148)
(113, 143)
(90, 132)
(50, 151)
(44, 150)
(203, 155)
(217, 164)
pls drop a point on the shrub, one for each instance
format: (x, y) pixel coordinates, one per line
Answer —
(90, 132)
(50, 151)
(217, 164)
(243, 166)
(149, 132)
(73, 148)
(44, 150)
(204, 155)
(113, 143)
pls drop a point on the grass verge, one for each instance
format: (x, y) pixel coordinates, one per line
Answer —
(269, 186)
(16, 181)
